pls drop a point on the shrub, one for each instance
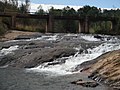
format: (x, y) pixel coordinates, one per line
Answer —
(3, 28)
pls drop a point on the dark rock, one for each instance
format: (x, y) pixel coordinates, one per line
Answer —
(31, 47)
(58, 61)
(74, 82)
(84, 69)
(31, 43)
(93, 74)
(22, 37)
(6, 60)
(6, 46)
(98, 37)
(81, 51)
(85, 83)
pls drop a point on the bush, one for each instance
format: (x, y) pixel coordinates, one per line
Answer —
(40, 30)
(3, 28)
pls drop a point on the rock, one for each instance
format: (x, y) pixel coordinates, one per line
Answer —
(81, 51)
(74, 82)
(6, 60)
(31, 46)
(35, 57)
(105, 70)
(85, 83)
(22, 37)
(57, 62)
(98, 37)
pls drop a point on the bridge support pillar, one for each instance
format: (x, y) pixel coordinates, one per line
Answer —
(46, 27)
(13, 21)
(86, 25)
(50, 24)
(81, 27)
(113, 25)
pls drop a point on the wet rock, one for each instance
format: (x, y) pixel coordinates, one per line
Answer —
(74, 82)
(35, 52)
(31, 58)
(31, 47)
(6, 60)
(85, 83)
(31, 43)
(5, 47)
(23, 37)
(116, 88)
(58, 61)
(98, 37)
(81, 50)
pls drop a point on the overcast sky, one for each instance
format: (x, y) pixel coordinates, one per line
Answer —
(97, 3)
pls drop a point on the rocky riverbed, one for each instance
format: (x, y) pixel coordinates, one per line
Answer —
(19, 79)
(50, 61)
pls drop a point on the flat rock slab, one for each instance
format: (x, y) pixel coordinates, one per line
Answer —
(17, 79)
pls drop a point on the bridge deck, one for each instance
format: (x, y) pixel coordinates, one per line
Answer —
(35, 16)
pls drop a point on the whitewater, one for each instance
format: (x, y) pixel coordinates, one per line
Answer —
(108, 43)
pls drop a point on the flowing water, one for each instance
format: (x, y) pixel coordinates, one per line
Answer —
(58, 74)
(72, 61)
(109, 43)
(68, 67)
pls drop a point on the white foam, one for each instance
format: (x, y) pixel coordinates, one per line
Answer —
(6, 51)
(53, 38)
(90, 38)
(71, 34)
(73, 61)
(103, 38)
(44, 37)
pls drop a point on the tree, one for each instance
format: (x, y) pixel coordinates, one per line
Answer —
(24, 8)
(69, 25)
(89, 11)
(40, 11)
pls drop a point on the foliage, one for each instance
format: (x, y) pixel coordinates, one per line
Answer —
(61, 26)
(3, 28)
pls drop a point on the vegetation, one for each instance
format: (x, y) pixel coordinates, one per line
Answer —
(64, 26)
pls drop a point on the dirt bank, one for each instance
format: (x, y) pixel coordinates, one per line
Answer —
(13, 34)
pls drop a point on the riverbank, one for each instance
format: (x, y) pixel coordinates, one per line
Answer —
(105, 69)
(12, 34)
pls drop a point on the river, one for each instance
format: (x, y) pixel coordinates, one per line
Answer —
(57, 74)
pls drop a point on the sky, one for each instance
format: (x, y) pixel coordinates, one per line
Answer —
(97, 3)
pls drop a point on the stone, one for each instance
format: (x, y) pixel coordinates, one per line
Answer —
(21, 37)
(98, 37)
(85, 83)
(32, 57)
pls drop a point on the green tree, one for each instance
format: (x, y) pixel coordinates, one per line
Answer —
(69, 25)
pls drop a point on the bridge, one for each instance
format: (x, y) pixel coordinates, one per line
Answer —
(84, 22)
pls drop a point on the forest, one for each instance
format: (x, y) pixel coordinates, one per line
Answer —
(60, 26)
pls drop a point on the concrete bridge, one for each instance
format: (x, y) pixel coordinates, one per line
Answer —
(84, 22)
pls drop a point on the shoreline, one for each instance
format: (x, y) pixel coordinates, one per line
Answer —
(12, 34)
